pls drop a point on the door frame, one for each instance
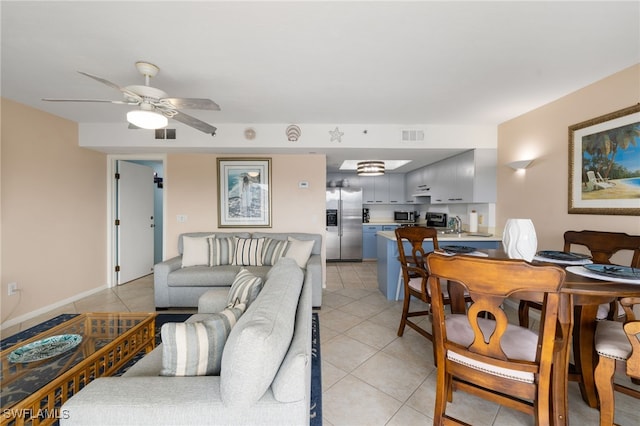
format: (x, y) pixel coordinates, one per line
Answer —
(112, 277)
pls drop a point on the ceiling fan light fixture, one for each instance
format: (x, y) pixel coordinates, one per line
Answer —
(147, 119)
(370, 168)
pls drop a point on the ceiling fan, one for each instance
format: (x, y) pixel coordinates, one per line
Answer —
(155, 106)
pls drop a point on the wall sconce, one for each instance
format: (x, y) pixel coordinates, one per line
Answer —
(519, 165)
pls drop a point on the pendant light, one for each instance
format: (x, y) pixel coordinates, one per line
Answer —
(370, 168)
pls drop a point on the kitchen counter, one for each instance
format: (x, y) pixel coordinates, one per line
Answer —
(391, 235)
(389, 265)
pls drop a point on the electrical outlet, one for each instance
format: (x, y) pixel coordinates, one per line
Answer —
(480, 218)
(13, 288)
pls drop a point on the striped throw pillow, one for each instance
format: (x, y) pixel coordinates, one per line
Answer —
(221, 251)
(248, 251)
(245, 288)
(195, 348)
(273, 250)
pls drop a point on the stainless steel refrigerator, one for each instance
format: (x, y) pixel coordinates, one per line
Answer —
(344, 223)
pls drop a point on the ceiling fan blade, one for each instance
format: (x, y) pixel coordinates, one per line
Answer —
(194, 122)
(113, 85)
(193, 103)
(90, 100)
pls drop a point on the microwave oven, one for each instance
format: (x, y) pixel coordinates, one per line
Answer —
(404, 217)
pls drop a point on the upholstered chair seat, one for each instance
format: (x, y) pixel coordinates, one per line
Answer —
(517, 343)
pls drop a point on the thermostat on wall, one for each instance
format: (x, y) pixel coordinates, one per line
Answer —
(303, 184)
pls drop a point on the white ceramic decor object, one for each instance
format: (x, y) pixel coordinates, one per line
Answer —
(519, 239)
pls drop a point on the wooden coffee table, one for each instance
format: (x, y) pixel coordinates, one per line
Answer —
(33, 392)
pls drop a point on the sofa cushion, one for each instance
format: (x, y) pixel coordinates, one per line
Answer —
(289, 385)
(245, 288)
(273, 250)
(196, 251)
(195, 348)
(203, 276)
(221, 251)
(248, 251)
(258, 343)
(299, 251)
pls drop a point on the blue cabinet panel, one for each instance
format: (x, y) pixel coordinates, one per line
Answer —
(369, 241)
(389, 266)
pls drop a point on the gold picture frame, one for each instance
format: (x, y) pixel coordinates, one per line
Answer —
(604, 164)
(244, 192)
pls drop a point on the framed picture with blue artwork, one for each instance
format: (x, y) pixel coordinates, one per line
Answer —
(604, 164)
(244, 192)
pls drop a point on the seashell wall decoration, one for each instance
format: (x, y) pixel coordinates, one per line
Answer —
(249, 133)
(293, 133)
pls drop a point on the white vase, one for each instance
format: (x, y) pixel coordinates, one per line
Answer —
(519, 239)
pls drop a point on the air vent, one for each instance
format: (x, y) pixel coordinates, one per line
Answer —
(165, 133)
(412, 135)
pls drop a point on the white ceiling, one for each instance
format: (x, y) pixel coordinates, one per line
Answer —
(318, 62)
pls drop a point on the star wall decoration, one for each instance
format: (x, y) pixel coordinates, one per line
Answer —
(336, 135)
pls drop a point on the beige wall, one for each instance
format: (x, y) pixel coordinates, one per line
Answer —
(191, 186)
(541, 192)
(53, 211)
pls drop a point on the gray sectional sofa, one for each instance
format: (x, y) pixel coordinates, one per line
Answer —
(265, 376)
(176, 286)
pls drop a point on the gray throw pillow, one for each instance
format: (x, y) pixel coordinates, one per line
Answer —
(245, 288)
(195, 348)
(273, 250)
(248, 251)
(221, 251)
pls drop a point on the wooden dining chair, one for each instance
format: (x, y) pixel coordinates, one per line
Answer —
(490, 358)
(602, 245)
(616, 341)
(415, 274)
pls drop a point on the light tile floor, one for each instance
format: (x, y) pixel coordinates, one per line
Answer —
(370, 376)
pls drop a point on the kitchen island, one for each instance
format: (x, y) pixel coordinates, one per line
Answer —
(389, 265)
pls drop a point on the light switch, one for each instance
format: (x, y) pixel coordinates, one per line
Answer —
(182, 218)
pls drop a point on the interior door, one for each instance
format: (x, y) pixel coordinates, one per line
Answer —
(135, 188)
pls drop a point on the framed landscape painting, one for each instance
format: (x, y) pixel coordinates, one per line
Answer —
(244, 192)
(604, 164)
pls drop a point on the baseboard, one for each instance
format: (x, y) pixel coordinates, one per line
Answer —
(48, 308)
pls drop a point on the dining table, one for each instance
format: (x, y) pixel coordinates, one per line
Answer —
(583, 293)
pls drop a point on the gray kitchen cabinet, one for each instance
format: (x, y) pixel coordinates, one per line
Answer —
(368, 190)
(375, 189)
(417, 186)
(469, 177)
(381, 188)
(397, 188)
(412, 180)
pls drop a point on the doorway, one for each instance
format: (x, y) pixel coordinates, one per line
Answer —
(136, 213)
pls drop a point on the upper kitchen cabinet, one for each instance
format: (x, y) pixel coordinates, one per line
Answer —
(469, 177)
(375, 189)
(386, 189)
(397, 188)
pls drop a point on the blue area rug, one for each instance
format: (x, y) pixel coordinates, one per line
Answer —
(316, 373)
(316, 365)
